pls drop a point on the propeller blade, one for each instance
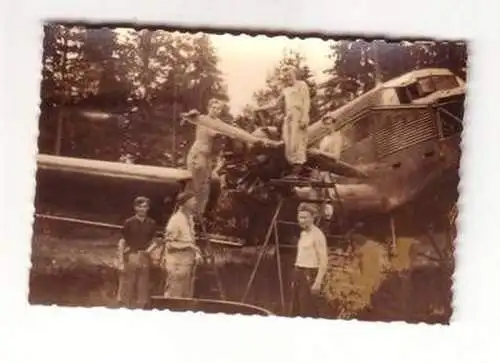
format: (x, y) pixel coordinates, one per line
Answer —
(327, 162)
(231, 131)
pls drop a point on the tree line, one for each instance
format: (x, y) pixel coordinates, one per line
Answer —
(145, 79)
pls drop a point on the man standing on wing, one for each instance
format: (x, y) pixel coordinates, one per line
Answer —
(200, 158)
(296, 101)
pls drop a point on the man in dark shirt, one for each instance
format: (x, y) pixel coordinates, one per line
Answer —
(133, 258)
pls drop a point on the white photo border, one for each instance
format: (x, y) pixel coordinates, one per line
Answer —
(81, 335)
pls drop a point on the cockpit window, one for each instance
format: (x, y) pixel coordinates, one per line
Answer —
(390, 97)
(445, 82)
(428, 85)
(424, 86)
(414, 91)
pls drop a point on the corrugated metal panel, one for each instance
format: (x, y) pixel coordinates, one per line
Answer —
(359, 153)
(396, 130)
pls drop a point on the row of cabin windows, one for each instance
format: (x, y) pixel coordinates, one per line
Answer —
(365, 127)
(422, 87)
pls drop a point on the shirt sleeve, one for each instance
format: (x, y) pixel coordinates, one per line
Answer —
(125, 230)
(152, 232)
(172, 228)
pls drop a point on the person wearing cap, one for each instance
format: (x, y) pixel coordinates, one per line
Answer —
(182, 255)
(138, 233)
(296, 100)
(311, 263)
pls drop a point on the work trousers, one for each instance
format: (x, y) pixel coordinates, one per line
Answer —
(134, 284)
(180, 269)
(294, 138)
(303, 302)
(200, 165)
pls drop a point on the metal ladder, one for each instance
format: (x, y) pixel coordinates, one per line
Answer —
(272, 232)
(209, 256)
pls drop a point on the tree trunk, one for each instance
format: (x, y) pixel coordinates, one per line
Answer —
(59, 133)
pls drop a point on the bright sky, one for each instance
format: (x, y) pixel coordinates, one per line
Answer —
(246, 61)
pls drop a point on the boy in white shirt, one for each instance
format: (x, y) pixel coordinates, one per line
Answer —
(310, 264)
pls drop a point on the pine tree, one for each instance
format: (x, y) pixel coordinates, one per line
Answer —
(168, 73)
(67, 78)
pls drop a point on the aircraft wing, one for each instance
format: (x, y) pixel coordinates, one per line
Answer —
(112, 169)
(98, 192)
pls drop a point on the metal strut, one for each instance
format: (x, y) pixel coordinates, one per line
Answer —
(341, 215)
(272, 232)
(209, 253)
(393, 242)
(272, 228)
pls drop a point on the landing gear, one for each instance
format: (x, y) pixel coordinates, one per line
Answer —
(272, 232)
(393, 242)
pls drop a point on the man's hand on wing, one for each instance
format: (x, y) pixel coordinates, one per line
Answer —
(190, 115)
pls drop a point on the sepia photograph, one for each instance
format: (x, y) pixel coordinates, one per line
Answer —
(248, 174)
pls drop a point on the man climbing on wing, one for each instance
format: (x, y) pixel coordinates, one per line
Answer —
(296, 101)
(200, 158)
(201, 155)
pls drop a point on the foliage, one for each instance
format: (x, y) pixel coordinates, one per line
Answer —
(145, 78)
(351, 280)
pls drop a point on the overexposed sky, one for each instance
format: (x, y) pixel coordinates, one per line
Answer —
(246, 61)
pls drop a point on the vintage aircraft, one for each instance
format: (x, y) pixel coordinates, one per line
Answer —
(399, 155)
